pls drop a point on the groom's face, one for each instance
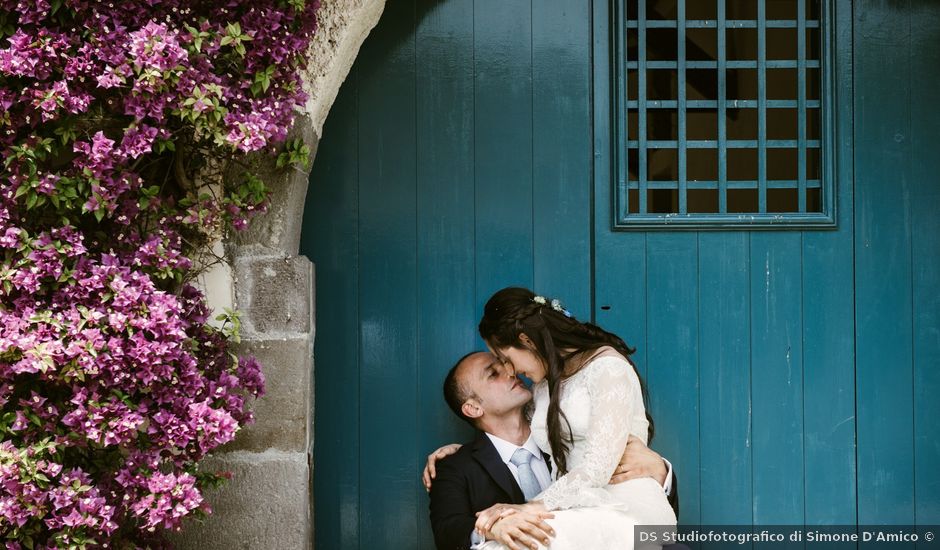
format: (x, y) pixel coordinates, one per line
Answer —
(496, 390)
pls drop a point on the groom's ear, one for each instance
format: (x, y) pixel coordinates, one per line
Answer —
(471, 409)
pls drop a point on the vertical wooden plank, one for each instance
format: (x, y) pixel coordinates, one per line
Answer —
(777, 378)
(883, 264)
(561, 163)
(445, 255)
(388, 433)
(925, 142)
(330, 240)
(829, 326)
(620, 281)
(503, 145)
(724, 351)
(619, 263)
(673, 375)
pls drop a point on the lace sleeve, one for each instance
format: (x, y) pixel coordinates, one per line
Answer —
(609, 390)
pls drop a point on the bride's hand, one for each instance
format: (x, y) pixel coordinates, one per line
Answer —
(429, 471)
(486, 518)
(523, 530)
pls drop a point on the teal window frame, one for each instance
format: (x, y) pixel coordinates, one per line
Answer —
(623, 220)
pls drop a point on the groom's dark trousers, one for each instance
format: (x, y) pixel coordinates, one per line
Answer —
(473, 479)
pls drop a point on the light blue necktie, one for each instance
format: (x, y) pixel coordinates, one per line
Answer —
(527, 480)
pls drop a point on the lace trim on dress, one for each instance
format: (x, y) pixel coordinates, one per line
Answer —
(609, 382)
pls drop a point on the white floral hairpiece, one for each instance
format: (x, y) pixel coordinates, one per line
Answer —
(555, 304)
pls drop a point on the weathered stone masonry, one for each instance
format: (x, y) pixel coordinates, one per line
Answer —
(268, 502)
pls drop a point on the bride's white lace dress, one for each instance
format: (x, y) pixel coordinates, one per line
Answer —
(604, 405)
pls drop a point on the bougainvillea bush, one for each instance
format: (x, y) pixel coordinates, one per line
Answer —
(124, 127)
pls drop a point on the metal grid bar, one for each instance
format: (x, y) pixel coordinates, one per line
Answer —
(761, 106)
(722, 112)
(801, 99)
(729, 143)
(734, 64)
(640, 106)
(731, 103)
(622, 113)
(731, 24)
(680, 59)
(641, 100)
(731, 184)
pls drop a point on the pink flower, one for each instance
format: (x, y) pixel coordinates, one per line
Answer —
(156, 46)
(109, 78)
(103, 346)
(47, 184)
(10, 237)
(138, 141)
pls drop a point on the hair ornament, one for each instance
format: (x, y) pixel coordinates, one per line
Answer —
(556, 305)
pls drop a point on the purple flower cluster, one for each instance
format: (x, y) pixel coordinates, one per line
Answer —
(113, 385)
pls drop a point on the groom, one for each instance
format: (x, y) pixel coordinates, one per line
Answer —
(484, 472)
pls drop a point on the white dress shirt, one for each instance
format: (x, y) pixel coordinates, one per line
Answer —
(539, 467)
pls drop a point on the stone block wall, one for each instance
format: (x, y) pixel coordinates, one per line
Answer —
(268, 504)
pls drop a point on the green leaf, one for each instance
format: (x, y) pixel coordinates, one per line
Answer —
(34, 418)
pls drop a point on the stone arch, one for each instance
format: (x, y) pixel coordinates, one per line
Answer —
(268, 502)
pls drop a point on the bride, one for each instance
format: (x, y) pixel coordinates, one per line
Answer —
(588, 400)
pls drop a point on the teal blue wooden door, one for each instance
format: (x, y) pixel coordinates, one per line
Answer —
(456, 161)
(792, 373)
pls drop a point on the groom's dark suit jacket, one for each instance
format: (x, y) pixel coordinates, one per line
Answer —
(473, 479)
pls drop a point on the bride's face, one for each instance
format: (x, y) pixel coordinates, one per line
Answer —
(523, 361)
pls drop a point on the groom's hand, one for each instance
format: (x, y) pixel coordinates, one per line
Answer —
(638, 461)
(523, 530)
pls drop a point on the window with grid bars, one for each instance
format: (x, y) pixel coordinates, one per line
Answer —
(721, 110)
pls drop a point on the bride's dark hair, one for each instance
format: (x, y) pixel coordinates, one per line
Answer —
(515, 311)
